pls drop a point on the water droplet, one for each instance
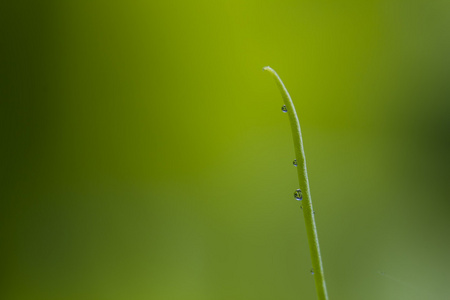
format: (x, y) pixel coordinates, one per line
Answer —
(301, 207)
(284, 108)
(294, 162)
(314, 212)
(298, 195)
(312, 271)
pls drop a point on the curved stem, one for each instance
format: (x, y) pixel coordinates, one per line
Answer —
(308, 211)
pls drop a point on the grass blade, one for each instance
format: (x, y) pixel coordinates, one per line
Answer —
(308, 211)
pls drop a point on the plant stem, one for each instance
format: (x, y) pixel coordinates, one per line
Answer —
(308, 211)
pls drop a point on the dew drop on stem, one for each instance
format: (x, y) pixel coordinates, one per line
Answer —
(294, 162)
(284, 109)
(298, 195)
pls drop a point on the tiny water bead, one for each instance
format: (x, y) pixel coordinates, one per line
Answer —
(294, 162)
(298, 194)
(284, 108)
(312, 271)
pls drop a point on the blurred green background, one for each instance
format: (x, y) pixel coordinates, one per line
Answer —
(144, 154)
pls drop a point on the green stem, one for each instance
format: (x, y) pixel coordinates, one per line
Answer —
(308, 211)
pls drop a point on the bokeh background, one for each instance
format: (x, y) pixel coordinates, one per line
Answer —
(144, 154)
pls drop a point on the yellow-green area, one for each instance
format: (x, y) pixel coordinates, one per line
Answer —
(144, 153)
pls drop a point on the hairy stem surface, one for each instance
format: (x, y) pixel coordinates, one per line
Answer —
(308, 211)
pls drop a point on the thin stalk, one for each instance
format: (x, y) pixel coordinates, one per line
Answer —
(308, 211)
